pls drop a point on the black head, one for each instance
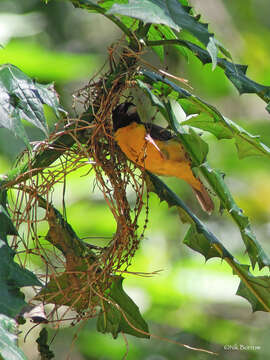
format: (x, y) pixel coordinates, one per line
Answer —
(124, 114)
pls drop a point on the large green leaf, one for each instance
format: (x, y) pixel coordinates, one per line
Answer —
(173, 14)
(12, 276)
(205, 122)
(155, 11)
(214, 177)
(122, 315)
(236, 73)
(253, 286)
(246, 143)
(8, 340)
(23, 99)
(199, 238)
(209, 118)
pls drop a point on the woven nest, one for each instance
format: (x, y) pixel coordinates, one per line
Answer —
(77, 274)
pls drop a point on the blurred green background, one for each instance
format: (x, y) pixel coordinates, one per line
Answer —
(190, 301)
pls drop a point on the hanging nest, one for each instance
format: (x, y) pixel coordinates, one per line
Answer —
(77, 274)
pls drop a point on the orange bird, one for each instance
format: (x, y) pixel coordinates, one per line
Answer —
(156, 150)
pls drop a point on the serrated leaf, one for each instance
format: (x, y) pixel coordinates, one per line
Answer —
(215, 178)
(43, 347)
(155, 11)
(8, 340)
(199, 238)
(236, 73)
(210, 119)
(173, 14)
(112, 320)
(253, 247)
(205, 122)
(246, 143)
(258, 284)
(109, 320)
(12, 276)
(161, 32)
(199, 243)
(22, 99)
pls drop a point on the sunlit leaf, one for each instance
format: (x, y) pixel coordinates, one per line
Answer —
(236, 73)
(22, 99)
(156, 11)
(124, 316)
(199, 238)
(205, 122)
(8, 340)
(214, 177)
(210, 119)
(257, 284)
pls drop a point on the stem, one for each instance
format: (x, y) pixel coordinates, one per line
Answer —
(205, 58)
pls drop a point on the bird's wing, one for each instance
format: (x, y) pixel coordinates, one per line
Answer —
(157, 132)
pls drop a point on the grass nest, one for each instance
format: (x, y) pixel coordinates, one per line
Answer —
(76, 274)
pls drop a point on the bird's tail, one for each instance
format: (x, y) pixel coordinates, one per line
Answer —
(204, 198)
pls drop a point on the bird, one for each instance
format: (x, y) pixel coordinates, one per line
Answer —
(155, 149)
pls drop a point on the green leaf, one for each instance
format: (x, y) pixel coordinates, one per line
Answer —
(12, 276)
(160, 32)
(173, 14)
(8, 340)
(246, 143)
(236, 73)
(155, 101)
(22, 99)
(209, 118)
(111, 318)
(43, 347)
(7, 227)
(199, 238)
(155, 11)
(214, 178)
(200, 243)
(190, 139)
(260, 285)
(205, 122)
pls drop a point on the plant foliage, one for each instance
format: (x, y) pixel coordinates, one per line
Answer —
(89, 281)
